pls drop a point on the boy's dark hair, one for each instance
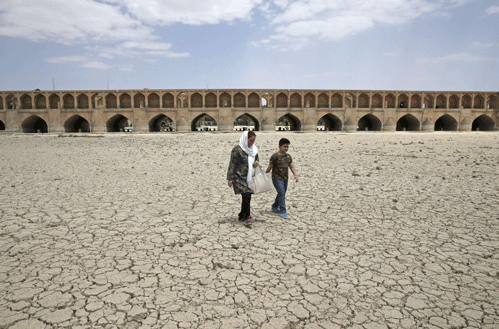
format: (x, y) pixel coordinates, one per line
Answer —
(251, 133)
(284, 141)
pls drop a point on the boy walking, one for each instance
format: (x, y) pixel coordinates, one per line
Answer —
(279, 164)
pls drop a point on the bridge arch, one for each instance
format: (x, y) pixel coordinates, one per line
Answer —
(415, 102)
(408, 123)
(403, 101)
(288, 120)
(282, 100)
(441, 102)
(54, 101)
(331, 122)
(2, 125)
(336, 101)
(26, 102)
(253, 100)
(75, 124)
(363, 101)
(369, 122)
(153, 101)
(446, 123)
(34, 124)
(40, 102)
(247, 120)
(466, 101)
(478, 102)
(204, 122)
(239, 100)
(309, 100)
(377, 101)
(82, 101)
(196, 100)
(225, 100)
(210, 100)
(168, 100)
(483, 123)
(111, 102)
(295, 100)
(161, 122)
(116, 123)
(323, 100)
(453, 102)
(125, 101)
(139, 100)
(390, 101)
(68, 101)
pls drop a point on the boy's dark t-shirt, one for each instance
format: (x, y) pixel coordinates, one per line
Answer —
(280, 164)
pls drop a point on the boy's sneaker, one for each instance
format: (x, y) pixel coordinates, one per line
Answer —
(284, 215)
(276, 210)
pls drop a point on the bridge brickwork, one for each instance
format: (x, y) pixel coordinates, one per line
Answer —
(100, 111)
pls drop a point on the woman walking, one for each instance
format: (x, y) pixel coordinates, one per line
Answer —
(243, 161)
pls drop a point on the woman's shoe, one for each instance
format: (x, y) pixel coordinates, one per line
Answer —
(284, 215)
(249, 222)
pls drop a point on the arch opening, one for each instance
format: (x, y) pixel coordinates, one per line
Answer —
(369, 122)
(204, 122)
(210, 100)
(446, 123)
(40, 102)
(253, 100)
(139, 101)
(125, 101)
(82, 101)
(161, 123)
(168, 101)
(117, 124)
(76, 124)
(329, 122)
(26, 102)
(196, 100)
(246, 122)
(408, 123)
(34, 124)
(483, 123)
(2, 125)
(288, 122)
(239, 100)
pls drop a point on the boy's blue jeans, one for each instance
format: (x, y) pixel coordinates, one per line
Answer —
(281, 187)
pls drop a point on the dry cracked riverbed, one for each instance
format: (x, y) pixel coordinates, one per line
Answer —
(385, 230)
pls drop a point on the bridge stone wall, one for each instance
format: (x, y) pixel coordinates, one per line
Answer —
(341, 110)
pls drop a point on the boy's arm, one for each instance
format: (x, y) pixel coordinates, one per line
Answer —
(293, 170)
(269, 168)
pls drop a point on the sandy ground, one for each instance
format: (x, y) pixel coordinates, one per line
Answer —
(385, 230)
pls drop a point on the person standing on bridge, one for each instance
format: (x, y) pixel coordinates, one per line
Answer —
(243, 161)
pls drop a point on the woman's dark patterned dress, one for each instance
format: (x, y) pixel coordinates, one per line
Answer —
(238, 170)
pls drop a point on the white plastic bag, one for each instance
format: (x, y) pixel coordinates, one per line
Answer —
(261, 182)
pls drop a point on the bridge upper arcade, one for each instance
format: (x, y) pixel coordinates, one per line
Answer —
(344, 110)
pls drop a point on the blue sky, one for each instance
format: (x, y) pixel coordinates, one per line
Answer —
(277, 44)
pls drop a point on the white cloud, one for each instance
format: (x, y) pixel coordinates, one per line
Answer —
(461, 57)
(391, 54)
(65, 59)
(69, 22)
(338, 19)
(480, 45)
(492, 10)
(192, 12)
(96, 65)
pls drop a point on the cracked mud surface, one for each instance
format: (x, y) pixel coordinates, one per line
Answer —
(140, 231)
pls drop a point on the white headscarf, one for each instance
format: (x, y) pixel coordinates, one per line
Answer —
(251, 152)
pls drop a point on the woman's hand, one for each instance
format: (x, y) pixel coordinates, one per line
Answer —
(230, 183)
(255, 164)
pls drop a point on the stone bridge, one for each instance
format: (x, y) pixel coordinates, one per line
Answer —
(99, 111)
